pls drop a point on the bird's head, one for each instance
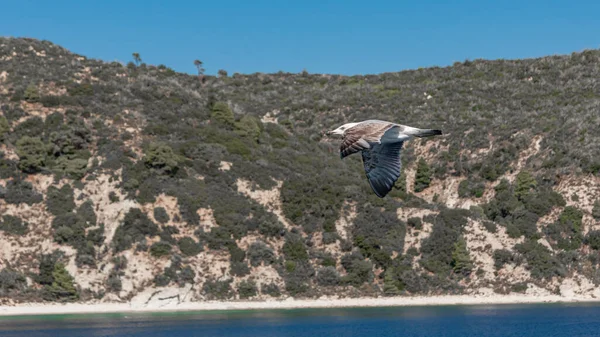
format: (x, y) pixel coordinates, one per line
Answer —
(341, 130)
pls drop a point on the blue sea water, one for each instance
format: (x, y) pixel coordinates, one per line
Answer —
(482, 320)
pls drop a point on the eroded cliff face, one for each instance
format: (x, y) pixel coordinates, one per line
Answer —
(137, 184)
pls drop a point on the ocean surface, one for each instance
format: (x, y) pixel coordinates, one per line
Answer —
(481, 320)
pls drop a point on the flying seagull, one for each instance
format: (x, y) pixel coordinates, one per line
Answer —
(380, 143)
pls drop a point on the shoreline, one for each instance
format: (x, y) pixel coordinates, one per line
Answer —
(41, 309)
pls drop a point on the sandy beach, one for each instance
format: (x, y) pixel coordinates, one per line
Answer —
(93, 308)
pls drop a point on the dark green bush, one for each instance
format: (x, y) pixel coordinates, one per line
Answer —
(461, 261)
(423, 176)
(247, 289)
(62, 288)
(592, 239)
(222, 114)
(31, 94)
(437, 250)
(160, 215)
(566, 232)
(217, 290)
(160, 249)
(60, 200)
(294, 248)
(13, 225)
(502, 257)
(328, 276)
(86, 212)
(135, 227)
(359, 270)
(259, 252)
(596, 210)
(4, 127)
(520, 287)
(21, 191)
(471, 188)
(32, 154)
(270, 289)
(11, 282)
(415, 223)
(189, 247)
(540, 261)
(161, 157)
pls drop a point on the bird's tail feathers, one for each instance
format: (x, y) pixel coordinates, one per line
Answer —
(427, 133)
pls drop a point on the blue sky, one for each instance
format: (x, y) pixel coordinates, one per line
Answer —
(340, 37)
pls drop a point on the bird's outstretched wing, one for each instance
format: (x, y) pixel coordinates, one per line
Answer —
(382, 166)
(353, 143)
(362, 136)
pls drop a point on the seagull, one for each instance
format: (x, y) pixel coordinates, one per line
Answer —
(380, 143)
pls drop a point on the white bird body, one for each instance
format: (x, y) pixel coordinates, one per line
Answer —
(380, 143)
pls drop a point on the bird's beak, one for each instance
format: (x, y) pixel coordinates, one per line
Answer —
(328, 133)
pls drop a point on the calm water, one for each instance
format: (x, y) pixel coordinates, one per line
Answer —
(497, 320)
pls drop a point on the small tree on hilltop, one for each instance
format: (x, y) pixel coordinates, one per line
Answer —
(198, 65)
(137, 59)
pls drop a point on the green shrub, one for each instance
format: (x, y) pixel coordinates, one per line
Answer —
(540, 261)
(160, 215)
(294, 248)
(490, 226)
(526, 183)
(134, 228)
(113, 197)
(438, 249)
(270, 289)
(271, 228)
(62, 288)
(160, 249)
(471, 188)
(4, 127)
(222, 114)
(161, 157)
(86, 212)
(520, 287)
(31, 94)
(75, 168)
(566, 232)
(359, 271)
(461, 261)
(21, 191)
(13, 225)
(60, 201)
(592, 239)
(259, 252)
(415, 223)
(502, 257)
(249, 128)
(189, 247)
(11, 282)
(328, 276)
(113, 283)
(32, 154)
(247, 289)
(423, 176)
(390, 284)
(82, 89)
(596, 210)
(217, 290)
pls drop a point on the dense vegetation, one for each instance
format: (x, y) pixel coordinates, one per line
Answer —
(159, 133)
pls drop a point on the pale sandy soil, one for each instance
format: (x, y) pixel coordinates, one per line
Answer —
(76, 308)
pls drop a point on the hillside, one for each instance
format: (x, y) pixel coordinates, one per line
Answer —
(118, 183)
